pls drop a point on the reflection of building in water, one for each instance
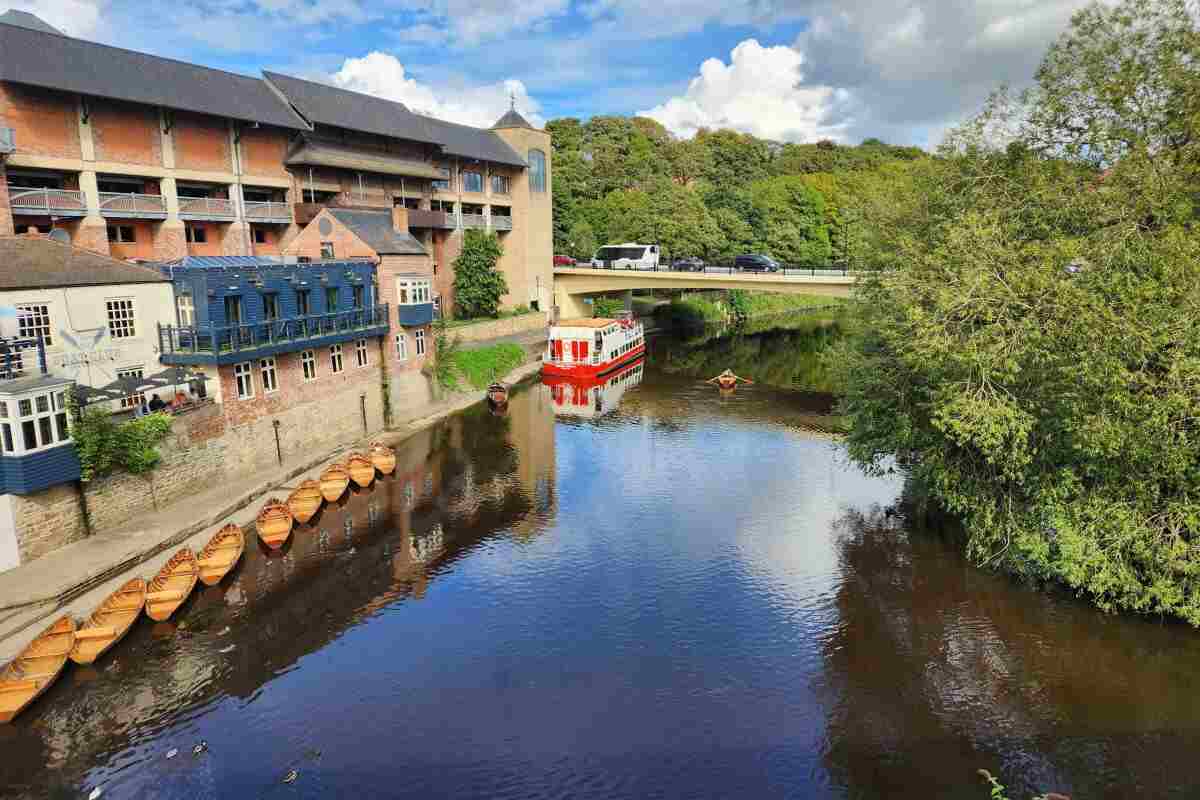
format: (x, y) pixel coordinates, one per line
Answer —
(592, 398)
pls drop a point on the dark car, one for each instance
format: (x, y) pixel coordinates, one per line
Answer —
(756, 263)
(692, 264)
(564, 261)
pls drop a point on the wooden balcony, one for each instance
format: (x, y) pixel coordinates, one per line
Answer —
(422, 218)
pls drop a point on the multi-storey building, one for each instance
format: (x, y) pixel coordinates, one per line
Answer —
(137, 156)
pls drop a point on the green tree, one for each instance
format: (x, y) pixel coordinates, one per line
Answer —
(581, 241)
(478, 285)
(794, 220)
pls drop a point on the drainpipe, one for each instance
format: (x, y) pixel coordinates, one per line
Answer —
(278, 449)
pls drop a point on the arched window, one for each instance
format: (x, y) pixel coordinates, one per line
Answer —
(537, 171)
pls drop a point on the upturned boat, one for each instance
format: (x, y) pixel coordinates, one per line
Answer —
(305, 501)
(220, 554)
(362, 471)
(274, 523)
(172, 585)
(383, 457)
(497, 395)
(334, 480)
(108, 623)
(35, 668)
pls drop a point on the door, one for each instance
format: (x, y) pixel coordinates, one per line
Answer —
(557, 350)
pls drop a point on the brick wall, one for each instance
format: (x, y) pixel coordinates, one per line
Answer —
(345, 243)
(263, 152)
(481, 331)
(47, 520)
(47, 122)
(6, 220)
(143, 245)
(126, 133)
(201, 142)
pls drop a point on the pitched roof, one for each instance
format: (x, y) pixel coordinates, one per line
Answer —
(328, 154)
(38, 263)
(512, 119)
(375, 228)
(23, 19)
(329, 105)
(51, 60)
(485, 145)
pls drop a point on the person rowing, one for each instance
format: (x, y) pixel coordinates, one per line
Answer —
(727, 380)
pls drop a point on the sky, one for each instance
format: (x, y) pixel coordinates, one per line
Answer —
(791, 70)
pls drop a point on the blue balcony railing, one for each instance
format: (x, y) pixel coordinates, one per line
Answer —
(414, 315)
(227, 344)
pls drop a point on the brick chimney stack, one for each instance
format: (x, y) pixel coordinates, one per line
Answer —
(400, 219)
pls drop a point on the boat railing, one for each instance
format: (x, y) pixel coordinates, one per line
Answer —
(219, 339)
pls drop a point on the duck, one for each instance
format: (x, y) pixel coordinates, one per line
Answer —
(291, 776)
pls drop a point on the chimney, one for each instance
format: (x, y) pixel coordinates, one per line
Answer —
(400, 219)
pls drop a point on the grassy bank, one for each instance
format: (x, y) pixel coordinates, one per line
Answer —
(711, 308)
(480, 366)
(757, 304)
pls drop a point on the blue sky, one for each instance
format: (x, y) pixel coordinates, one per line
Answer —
(794, 70)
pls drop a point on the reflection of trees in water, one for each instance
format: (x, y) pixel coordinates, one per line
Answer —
(937, 669)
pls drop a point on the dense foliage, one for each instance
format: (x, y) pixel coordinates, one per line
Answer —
(1033, 358)
(478, 285)
(716, 195)
(105, 444)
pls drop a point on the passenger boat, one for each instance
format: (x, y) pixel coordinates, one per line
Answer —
(497, 395)
(274, 523)
(592, 397)
(334, 480)
(305, 501)
(172, 585)
(109, 622)
(35, 668)
(383, 457)
(592, 348)
(220, 554)
(361, 470)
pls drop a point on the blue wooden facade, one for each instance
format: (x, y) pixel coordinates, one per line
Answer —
(37, 471)
(36, 448)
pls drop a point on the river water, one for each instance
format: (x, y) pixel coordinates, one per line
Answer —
(681, 594)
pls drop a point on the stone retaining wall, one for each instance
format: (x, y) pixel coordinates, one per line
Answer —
(493, 329)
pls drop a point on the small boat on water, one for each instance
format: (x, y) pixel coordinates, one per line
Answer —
(727, 380)
(334, 480)
(497, 395)
(383, 457)
(172, 585)
(220, 554)
(362, 471)
(109, 622)
(305, 501)
(274, 523)
(35, 668)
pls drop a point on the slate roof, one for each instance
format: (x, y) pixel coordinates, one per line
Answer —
(23, 19)
(375, 228)
(329, 105)
(38, 57)
(29, 263)
(512, 119)
(479, 143)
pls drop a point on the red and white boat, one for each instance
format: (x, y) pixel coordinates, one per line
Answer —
(592, 348)
(592, 397)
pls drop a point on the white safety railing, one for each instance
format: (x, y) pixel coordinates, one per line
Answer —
(268, 209)
(131, 203)
(49, 201)
(206, 207)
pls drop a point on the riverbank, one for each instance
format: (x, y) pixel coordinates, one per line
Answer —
(77, 578)
(691, 310)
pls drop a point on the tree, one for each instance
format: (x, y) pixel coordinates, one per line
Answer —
(794, 220)
(478, 285)
(581, 240)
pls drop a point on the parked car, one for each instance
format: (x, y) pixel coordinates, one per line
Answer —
(564, 261)
(756, 263)
(692, 264)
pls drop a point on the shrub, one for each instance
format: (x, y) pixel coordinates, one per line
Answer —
(478, 285)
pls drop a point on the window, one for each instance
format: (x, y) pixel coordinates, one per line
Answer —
(245, 381)
(185, 310)
(270, 306)
(233, 309)
(420, 335)
(359, 295)
(331, 299)
(42, 421)
(360, 352)
(195, 234)
(472, 181)
(335, 358)
(308, 360)
(326, 249)
(537, 171)
(33, 320)
(411, 292)
(133, 399)
(260, 236)
(442, 183)
(266, 368)
(303, 305)
(120, 318)
(499, 184)
(402, 346)
(121, 233)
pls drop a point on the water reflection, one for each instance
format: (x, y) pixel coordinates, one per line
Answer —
(593, 397)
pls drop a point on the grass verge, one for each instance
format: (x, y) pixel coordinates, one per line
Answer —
(482, 365)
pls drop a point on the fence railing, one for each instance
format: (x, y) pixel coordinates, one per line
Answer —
(206, 208)
(50, 201)
(215, 340)
(502, 223)
(474, 221)
(268, 209)
(132, 204)
(788, 270)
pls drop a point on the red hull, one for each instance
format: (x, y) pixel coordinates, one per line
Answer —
(585, 371)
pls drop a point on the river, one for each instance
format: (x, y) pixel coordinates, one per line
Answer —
(683, 594)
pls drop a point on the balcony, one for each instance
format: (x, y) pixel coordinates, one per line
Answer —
(132, 205)
(501, 223)
(474, 221)
(414, 315)
(422, 218)
(53, 202)
(207, 208)
(268, 211)
(230, 344)
(8, 140)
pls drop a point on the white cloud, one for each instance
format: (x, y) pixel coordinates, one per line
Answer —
(473, 21)
(760, 91)
(72, 17)
(383, 75)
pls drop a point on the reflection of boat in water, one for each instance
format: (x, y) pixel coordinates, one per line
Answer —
(592, 397)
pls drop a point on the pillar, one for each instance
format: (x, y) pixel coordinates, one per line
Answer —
(91, 232)
(6, 220)
(627, 299)
(170, 239)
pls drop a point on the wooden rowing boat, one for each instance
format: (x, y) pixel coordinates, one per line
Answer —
(109, 622)
(361, 470)
(220, 554)
(305, 501)
(383, 457)
(35, 668)
(172, 585)
(274, 523)
(334, 480)
(497, 395)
